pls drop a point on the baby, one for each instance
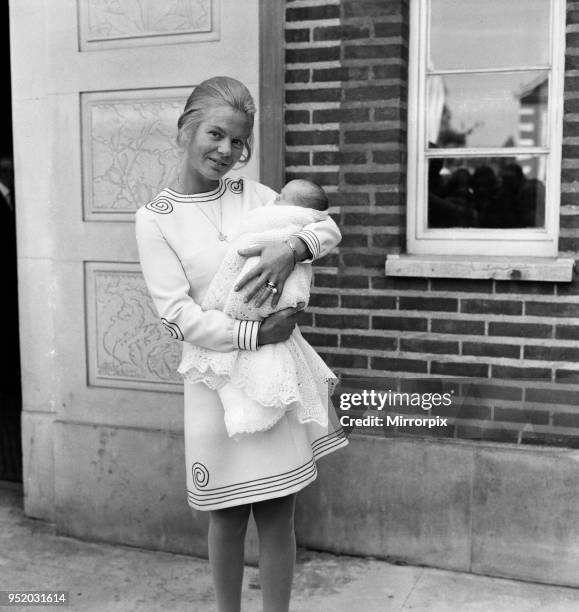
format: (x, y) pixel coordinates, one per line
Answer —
(256, 388)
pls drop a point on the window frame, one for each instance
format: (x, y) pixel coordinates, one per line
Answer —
(536, 242)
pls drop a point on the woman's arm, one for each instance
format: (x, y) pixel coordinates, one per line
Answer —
(278, 260)
(180, 314)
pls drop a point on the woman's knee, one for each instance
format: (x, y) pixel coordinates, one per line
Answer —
(279, 511)
(231, 520)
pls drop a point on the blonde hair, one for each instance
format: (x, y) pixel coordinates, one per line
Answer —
(216, 91)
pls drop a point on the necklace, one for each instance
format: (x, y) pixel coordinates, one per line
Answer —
(222, 237)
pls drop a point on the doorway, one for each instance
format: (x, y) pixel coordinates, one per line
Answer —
(10, 391)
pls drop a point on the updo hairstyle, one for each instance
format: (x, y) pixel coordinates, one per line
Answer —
(216, 91)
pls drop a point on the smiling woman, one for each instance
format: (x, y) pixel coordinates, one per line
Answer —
(183, 237)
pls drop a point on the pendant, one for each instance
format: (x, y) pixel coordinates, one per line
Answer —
(222, 237)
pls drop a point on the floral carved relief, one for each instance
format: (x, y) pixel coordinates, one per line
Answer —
(113, 19)
(130, 341)
(130, 151)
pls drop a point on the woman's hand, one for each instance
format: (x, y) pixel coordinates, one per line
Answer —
(278, 326)
(275, 265)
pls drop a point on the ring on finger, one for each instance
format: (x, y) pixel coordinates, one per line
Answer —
(270, 285)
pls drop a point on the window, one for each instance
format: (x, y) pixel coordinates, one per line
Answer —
(485, 127)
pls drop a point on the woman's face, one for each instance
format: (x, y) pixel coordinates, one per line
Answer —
(215, 146)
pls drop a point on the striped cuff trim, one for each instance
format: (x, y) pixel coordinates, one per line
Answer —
(245, 335)
(311, 241)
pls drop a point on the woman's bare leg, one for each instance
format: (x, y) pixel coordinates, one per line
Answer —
(277, 550)
(226, 546)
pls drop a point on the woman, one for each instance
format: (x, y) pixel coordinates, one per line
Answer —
(183, 236)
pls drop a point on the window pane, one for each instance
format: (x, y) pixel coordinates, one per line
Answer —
(488, 110)
(467, 34)
(507, 192)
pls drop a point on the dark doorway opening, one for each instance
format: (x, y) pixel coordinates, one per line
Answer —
(10, 391)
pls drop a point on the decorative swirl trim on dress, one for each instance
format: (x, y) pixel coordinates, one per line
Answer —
(161, 206)
(173, 329)
(234, 186)
(200, 475)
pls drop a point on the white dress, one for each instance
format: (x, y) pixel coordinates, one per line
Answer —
(180, 252)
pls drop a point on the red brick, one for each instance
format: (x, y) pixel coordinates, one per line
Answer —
(490, 391)
(492, 307)
(297, 158)
(400, 323)
(375, 92)
(397, 364)
(428, 303)
(297, 76)
(341, 115)
(296, 36)
(395, 283)
(463, 411)
(484, 349)
(568, 244)
(335, 158)
(354, 240)
(357, 51)
(536, 417)
(420, 345)
(341, 32)
(455, 285)
(567, 376)
(319, 94)
(341, 281)
(550, 309)
(343, 73)
(371, 8)
(552, 353)
(364, 260)
(371, 220)
(312, 137)
(368, 136)
(524, 287)
(316, 339)
(390, 199)
(368, 178)
(552, 396)
(368, 301)
(523, 373)
(321, 178)
(386, 240)
(475, 370)
(453, 326)
(368, 342)
(312, 54)
(312, 13)
(566, 420)
(570, 221)
(389, 113)
(343, 321)
(520, 330)
(389, 71)
(345, 198)
(297, 116)
(389, 157)
(390, 29)
(323, 300)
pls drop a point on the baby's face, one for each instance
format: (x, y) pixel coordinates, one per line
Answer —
(288, 196)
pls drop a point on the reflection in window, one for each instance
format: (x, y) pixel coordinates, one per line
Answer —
(486, 193)
(488, 110)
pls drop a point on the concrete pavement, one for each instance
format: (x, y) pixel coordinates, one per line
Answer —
(106, 578)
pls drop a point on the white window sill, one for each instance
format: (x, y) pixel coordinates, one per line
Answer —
(501, 268)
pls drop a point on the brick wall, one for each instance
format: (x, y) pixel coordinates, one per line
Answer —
(346, 90)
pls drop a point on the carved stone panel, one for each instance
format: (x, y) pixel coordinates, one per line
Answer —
(129, 150)
(127, 344)
(110, 23)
